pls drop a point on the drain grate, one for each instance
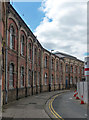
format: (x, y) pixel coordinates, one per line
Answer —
(32, 103)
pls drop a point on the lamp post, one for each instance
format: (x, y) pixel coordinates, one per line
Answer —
(50, 71)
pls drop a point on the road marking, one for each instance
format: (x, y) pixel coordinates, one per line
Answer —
(52, 109)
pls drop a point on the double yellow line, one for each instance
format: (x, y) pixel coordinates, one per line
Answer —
(52, 109)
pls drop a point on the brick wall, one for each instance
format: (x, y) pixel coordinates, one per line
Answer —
(36, 63)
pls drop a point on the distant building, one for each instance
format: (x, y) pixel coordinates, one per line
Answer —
(28, 68)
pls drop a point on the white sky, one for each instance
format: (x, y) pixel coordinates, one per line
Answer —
(64, 27)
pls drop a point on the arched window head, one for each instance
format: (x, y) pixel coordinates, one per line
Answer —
(12, 38)
(22, 45)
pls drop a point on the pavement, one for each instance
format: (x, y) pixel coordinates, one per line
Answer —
(29, 107)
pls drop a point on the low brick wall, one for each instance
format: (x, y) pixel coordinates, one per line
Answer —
(56, 87)
(29, 91)
(45, 88)
(21, 92)
(11, 95)
(52, 87)
(34, 90)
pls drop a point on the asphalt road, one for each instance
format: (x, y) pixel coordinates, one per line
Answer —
(68, 107)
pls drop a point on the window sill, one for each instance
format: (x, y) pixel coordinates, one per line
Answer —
(22, 86)
(45, 67)
(29, 86)
(22, 55)
(29, 59)
(11, 88)
(13, 50)
(45, 84)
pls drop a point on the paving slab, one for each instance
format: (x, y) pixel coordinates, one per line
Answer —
(29, 107)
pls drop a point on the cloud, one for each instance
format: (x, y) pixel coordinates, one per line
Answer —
(64, 27)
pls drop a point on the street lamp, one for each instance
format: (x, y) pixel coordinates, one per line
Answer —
(50, 71)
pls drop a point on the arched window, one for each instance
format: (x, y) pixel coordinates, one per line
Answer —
(29, 77)
(66, 68)
(39, 57)
(45, 61)
(30, 51)
(22, 45)
(11, 75)
(71, 80)
(45, 77)
(52, 77)
(38, 81)
(12, 37)
(22, 76)
(35, 55)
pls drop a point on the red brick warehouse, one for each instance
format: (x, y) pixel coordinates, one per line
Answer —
(27, 67)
